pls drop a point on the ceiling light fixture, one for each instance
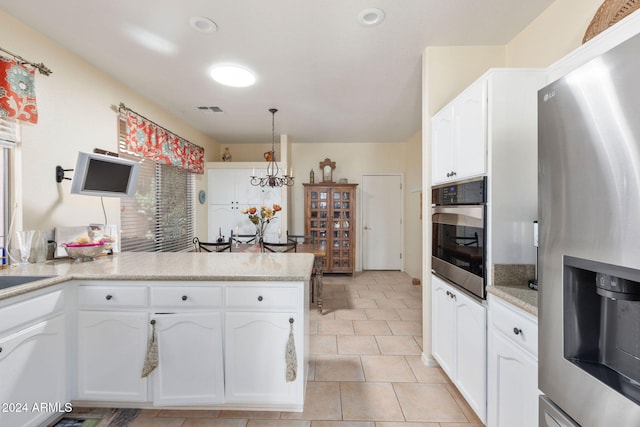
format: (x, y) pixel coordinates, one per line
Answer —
(371, 17)
(232, 75)
(272, 179)
(202, 24)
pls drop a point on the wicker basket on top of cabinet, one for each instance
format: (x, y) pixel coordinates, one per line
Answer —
(330, 217)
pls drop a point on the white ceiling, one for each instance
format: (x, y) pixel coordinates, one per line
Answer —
(331, 78)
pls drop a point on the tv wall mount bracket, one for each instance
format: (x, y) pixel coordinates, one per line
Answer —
(60, 174)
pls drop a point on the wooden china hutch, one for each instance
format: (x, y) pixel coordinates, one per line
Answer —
(330, 217)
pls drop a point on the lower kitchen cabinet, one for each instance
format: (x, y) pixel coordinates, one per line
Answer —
(190, 365)
(512, 366)
(33, 373)
(459, 342)
(111, 352)
(220, 345)
(255, 370)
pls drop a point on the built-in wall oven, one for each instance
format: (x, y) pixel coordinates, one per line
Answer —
(458, 215)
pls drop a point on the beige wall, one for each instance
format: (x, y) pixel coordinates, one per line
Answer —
(413, 213)
(450, 69)
(352, 161)
(555, 33)
(75, 105)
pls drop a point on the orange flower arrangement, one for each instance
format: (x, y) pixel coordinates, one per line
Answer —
(262, 218)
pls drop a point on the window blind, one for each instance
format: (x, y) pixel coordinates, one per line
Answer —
(160, 217)
(8, 132)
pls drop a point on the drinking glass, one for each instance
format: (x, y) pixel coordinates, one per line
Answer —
(24, 244)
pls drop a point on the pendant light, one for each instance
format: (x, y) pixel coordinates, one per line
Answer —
(272, 179)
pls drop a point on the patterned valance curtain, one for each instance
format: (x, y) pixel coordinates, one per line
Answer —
(17, 91)
(146, 138)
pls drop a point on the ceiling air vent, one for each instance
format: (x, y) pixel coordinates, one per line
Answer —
(212, 109)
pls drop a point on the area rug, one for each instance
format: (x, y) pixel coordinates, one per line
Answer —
(114, 418)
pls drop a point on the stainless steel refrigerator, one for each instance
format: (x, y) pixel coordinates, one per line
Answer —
(589, 243)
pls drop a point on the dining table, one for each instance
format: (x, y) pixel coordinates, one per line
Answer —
(319, 252)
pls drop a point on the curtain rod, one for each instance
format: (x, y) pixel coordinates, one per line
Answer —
(123, 107)
(43, 69)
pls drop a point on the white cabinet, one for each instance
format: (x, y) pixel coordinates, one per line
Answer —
(459, 136)
(190, 366)
(220, 344)
(255, 370)
(491, 129)
(459, 341)
(230, 191)
(188, 322)
(258, 322)
(512, 366)
(443, 337)
(111, 352)
(112, 327)
(33, 358)
(33, 373)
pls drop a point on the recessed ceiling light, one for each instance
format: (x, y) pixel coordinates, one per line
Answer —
(370, 17)
(202, 24)
(233, 75)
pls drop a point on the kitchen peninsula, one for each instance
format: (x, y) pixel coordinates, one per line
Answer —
(230, 330)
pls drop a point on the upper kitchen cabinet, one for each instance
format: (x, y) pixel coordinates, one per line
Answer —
(230, 191)
(459, 136)
(489, 121)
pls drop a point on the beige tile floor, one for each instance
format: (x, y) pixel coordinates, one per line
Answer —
(365, 370)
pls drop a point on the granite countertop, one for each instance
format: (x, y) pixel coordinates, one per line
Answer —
(166, 266)
(519, 295)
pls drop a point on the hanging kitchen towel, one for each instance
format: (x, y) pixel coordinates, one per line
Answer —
(291, 357)
(151, 359)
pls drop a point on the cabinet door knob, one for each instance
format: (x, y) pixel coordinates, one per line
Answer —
(184, 297)
(260, 298)
(108, 297)
(153, 322)
(517, 331)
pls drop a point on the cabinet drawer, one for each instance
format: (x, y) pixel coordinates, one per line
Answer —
(31, 309)
(112, 296)
(517, 325)
(262, 297)
(186, 296)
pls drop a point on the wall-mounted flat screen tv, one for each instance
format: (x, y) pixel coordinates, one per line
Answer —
(103, 175)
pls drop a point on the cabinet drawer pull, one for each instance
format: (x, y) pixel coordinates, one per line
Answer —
(517, 331)
(291, 320)
(184, 297)
(108, 297)
(260, 298)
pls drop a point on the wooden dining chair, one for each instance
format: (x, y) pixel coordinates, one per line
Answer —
(316, 271)
(279, 247)
(212, 246)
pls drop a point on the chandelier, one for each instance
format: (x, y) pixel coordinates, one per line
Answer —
(272, 179)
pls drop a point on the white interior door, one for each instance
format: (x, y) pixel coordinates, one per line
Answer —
(381, 222)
